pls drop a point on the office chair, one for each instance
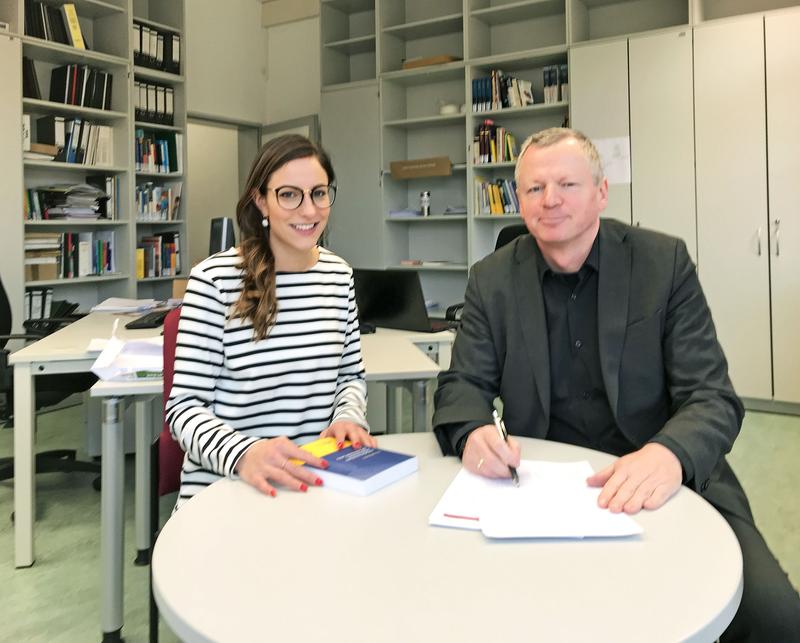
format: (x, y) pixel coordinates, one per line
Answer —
(167, 456)
(50, 389)
(505, 236)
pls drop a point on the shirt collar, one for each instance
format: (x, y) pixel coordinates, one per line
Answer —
(592, 261)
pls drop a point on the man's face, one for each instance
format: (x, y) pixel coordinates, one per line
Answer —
(559, 200)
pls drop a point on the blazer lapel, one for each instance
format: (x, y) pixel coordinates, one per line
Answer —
(612, 306)
(530, 305)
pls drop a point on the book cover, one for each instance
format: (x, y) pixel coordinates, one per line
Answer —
(360, 471)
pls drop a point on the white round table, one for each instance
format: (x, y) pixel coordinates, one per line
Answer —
(233, 565)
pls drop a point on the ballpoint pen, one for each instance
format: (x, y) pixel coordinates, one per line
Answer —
(501, 430)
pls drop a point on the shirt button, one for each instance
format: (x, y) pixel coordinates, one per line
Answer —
(573, 297)
(578, 343)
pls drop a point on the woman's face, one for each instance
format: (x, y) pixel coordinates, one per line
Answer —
(295, 231)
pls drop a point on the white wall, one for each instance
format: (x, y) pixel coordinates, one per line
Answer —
(214, 161)
(293, 70)
(227, 60)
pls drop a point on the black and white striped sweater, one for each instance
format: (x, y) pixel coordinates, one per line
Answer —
(229, 390)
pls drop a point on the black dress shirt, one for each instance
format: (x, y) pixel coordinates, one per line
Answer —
(579, 409)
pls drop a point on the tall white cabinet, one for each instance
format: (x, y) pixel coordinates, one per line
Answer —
(731, 157)
(783, 182)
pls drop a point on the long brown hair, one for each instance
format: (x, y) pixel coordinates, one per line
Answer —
(258, 301)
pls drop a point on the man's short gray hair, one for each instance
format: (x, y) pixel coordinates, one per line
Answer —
(554, 135)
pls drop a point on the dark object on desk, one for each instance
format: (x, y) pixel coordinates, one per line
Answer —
(365, 328)
(393, 299)
(153, 319)
(222, 235)
(50, 389)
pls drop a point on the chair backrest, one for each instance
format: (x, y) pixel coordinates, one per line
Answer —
(170, 454)
(222, 235)
(509, 233)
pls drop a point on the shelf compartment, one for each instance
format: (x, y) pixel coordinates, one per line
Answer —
(145, 73)
(595, 19)
(499, 14)
(57, 53)
(439, 26)
(352, 46)
(350, 6)
(35, 106)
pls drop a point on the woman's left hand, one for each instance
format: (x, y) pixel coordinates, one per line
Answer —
(344, 430)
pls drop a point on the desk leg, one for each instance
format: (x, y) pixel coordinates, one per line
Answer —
(419, 419)
(24, 483)
(143, 464)
(112, 534)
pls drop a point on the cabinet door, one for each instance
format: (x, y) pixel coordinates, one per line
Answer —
(662, 134)
(730, 146)
(783, 125)
(11, 186)
(598, 81)
(349, 121)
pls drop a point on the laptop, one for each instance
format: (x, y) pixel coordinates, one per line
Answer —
(393, 299)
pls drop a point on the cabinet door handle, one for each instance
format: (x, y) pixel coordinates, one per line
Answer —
(759, 241)
(777, 237)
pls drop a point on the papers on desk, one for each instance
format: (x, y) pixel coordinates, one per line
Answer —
(552, 501)
(130, 360)
(122, 305)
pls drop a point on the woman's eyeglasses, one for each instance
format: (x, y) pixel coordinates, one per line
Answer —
(290, 197)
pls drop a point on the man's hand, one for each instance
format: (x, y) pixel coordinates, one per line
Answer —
(487, 454)
(646, 478)
(344, 430)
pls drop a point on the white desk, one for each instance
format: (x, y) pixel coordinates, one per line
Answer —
(234, 565)
(388, 356)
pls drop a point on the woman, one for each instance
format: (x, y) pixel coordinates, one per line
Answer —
(268, 349)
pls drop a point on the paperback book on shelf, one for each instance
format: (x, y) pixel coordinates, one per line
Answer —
(359, 471)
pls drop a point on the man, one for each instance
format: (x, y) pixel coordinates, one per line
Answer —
(596, 333)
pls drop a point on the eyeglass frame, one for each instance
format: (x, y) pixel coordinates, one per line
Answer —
(331, 191)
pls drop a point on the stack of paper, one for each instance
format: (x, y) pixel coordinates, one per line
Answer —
(122, 305)
(130, 360)
(552, 501)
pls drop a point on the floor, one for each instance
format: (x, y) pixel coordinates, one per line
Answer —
(58, 598)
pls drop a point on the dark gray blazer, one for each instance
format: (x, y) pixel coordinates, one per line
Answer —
(664, 371)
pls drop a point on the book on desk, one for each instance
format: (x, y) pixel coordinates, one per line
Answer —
(359, 471)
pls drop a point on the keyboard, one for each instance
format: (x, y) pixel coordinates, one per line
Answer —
(153, 319)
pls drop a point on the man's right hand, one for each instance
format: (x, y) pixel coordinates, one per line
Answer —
(487, 454)
(269, 461)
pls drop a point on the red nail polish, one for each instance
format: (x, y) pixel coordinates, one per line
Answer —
(273, 493)
(357, 445)
(325, 464)
(339, 445)
(318, 482)
(303, 487)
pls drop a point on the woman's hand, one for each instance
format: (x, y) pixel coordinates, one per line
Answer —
(267, 461)
(344, 430)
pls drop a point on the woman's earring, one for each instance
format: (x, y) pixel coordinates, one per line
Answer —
(265, 222)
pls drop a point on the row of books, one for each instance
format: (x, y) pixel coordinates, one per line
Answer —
(66, 201)
(77, 140)
(54, 23)
(158, 152)
(158, 202)
(499, 90)
(66, 255)
(556, 83)
(154, 103)
(156, 48)
(496, 197)
(159, 255)
(75, 84)
(493, 144)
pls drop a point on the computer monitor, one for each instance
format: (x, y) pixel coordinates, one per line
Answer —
(222, 235)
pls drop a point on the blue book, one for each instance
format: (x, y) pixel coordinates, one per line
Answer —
(365, 470)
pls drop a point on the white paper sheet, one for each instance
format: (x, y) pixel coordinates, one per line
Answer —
(131, 360)
(615, 154)
(552, 501)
